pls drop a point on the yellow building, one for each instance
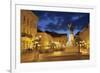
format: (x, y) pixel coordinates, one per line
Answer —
(45, 39)
(84, 34)
(85, 37)
(59, 40)
(28, 28)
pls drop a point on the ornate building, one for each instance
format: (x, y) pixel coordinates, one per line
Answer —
(59, 40)
(85, 40)
(28, 28)
(84, 34)
(45, 39)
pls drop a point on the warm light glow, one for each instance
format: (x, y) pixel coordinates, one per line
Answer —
(58, 53)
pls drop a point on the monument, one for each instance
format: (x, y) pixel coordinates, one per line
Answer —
(71, 40)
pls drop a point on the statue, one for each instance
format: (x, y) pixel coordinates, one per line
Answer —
(71, 40)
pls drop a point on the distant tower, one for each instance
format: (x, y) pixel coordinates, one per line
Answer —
(71, 40)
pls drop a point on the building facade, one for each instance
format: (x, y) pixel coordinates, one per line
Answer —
(84, 34)
(45, 40)
(28, 28)
(85, 40)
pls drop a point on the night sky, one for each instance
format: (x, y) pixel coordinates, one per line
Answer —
(57, 22)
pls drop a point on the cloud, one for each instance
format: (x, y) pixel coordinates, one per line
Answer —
(58, 21)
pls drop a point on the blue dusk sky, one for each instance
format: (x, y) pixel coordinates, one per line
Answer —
(57, 22)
